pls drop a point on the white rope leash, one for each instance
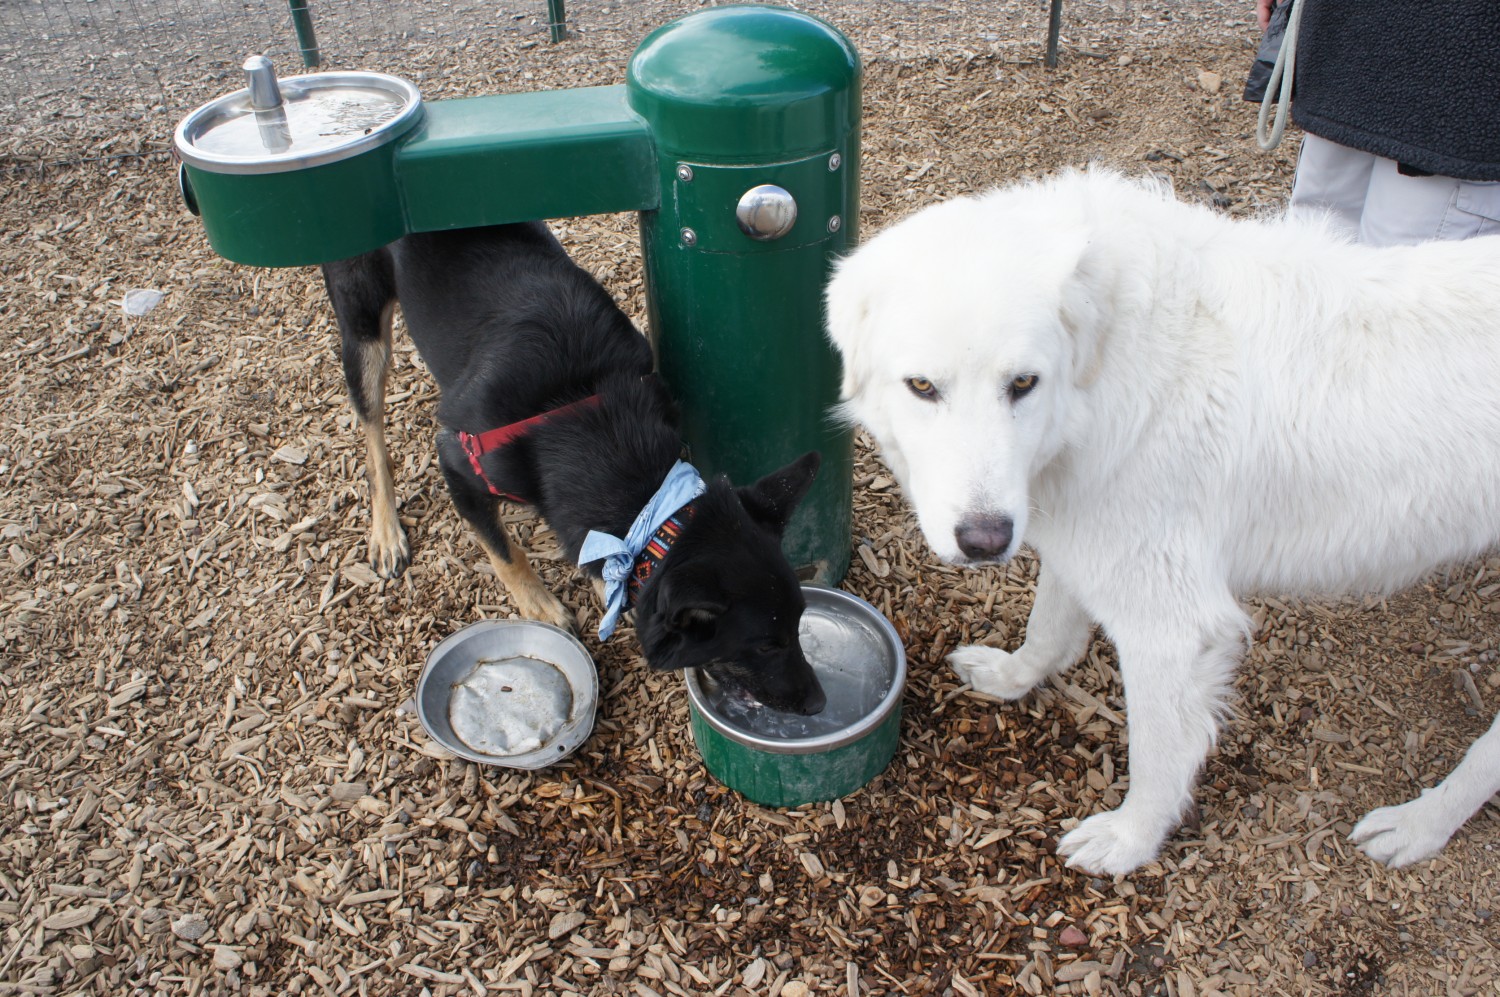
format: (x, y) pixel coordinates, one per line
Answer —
(1281, 96)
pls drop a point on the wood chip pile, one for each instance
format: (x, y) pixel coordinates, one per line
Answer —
(211, 785)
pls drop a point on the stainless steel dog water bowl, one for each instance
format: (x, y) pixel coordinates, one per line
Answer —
(783, 759)
(516, 693)
(306, 162)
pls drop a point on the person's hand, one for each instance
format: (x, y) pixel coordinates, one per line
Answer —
(1263, 12)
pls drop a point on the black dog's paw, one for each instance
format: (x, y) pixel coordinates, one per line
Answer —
(390, 551)
(536, 603)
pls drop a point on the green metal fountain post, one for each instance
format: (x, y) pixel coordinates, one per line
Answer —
(736, 136)
(755, 115)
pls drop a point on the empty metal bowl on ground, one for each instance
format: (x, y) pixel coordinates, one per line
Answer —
(516, 693)
(785, 759)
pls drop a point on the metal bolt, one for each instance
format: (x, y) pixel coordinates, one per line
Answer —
(835, 223)
(766, 212)
(834, 162)
(685, 173)
(689, 237)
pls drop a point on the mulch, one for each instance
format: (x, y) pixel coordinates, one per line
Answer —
(212, 783)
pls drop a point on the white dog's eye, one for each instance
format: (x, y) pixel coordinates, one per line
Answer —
(1021, 385)
(922, 388)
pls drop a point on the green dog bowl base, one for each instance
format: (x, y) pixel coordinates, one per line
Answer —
(785, 760)
(781, 780)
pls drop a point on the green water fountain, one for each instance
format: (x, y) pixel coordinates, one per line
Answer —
(736, 138)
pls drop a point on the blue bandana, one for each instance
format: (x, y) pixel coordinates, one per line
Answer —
(681, 486)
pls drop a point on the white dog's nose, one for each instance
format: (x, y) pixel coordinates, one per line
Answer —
(984, 538)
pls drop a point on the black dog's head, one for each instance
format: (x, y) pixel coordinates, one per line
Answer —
(725, 598)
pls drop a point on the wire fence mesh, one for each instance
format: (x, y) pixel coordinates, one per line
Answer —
(76, 73)
(90, 79)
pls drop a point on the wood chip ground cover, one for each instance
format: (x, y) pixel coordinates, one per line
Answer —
(210, 785)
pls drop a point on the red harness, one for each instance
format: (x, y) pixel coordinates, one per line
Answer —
(476, 446)
(488, 442)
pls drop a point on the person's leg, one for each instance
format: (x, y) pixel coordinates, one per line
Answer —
(1333, 178)
(1402, 210)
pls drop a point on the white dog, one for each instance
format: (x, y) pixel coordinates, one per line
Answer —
(1175, 409)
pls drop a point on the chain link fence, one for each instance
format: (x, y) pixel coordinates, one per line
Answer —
(96, 79)
(79, 76)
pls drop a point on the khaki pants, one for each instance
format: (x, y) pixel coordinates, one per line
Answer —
(1375, 204)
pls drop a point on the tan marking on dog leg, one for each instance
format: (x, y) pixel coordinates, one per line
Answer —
(526, 589)
(389, 550)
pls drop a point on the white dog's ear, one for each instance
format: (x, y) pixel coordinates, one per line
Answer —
(1082, 308)
(848, 308)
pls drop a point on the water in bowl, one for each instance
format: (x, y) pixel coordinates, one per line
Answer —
(851, 663)
(311, 120)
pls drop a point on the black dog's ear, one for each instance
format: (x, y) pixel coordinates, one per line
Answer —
(772, 500)
(684, 615)
(697, 618)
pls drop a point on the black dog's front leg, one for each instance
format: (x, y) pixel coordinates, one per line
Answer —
(363, 292)
(482, 511)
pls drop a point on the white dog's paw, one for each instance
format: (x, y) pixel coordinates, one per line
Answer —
(1111, 844)
(993, 672)
(1399, 836)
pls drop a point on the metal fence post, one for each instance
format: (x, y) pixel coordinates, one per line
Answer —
(307, 41)
(1054, 27)
(557, 20)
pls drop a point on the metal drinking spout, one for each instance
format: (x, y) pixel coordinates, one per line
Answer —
(260, 77)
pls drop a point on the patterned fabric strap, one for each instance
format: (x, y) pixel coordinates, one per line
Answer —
(618, 554)
(656, 549)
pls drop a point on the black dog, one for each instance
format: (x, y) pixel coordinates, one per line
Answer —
(548, 399)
